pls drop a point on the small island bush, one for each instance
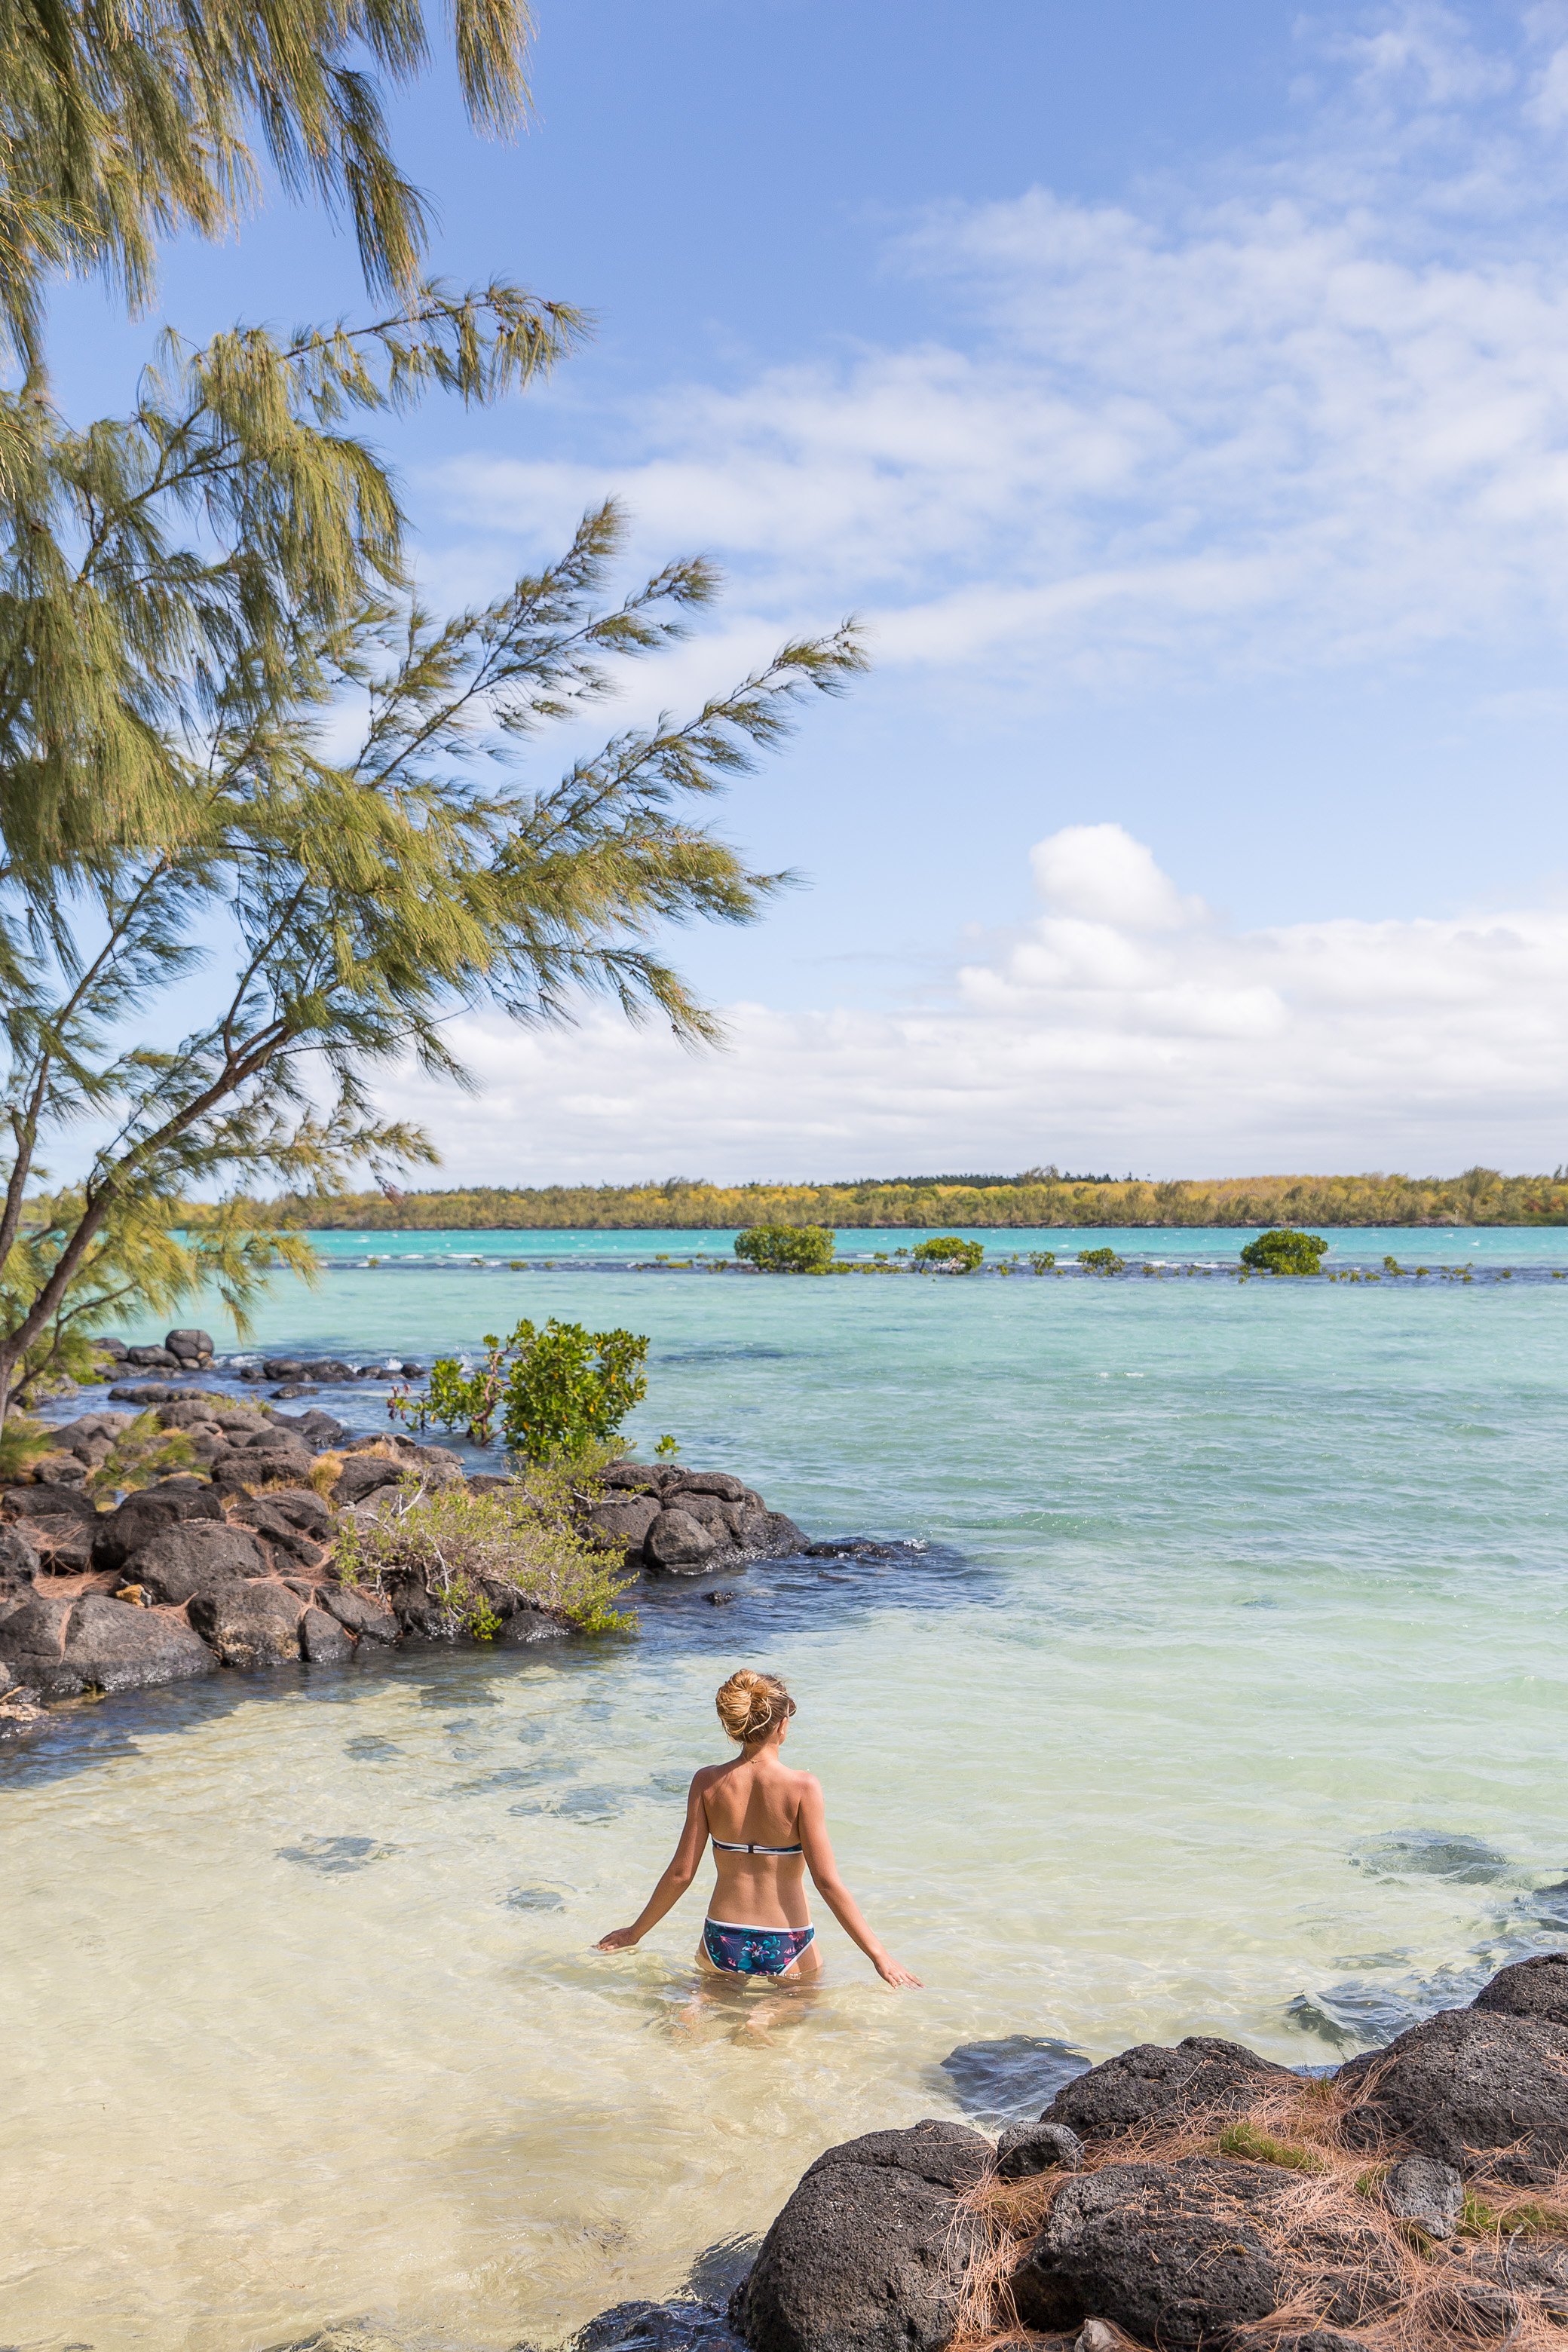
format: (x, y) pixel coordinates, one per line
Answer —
(1285, 1251)
(951, 1252)
(1101, 1261)
(787, 1249)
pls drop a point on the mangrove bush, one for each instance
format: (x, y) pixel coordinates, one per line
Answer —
(950, 1254)
(1284, 1251)
(787, 1249)
(558, 1392)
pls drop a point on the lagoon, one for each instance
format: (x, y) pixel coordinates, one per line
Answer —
(1227, 1695)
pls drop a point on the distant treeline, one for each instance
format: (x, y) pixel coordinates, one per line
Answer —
(1042, 1197)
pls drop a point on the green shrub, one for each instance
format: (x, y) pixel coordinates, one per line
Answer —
(559, 1390)
(949, 1251)
(142, 1455)
(1285, 1251)
(1043, 1261)
(1101, 1261)
(470, 1551)
(22, 1440)
(787, 1249)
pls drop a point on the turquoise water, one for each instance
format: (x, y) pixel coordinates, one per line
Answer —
(1225, 1695)
(1522, 1247)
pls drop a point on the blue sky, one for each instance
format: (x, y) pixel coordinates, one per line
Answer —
(1182, 395)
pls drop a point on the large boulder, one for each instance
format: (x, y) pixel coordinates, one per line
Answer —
(1026, 2149)
(724, 1521)
(18, 1567)
(303, 1509)
(63, 1648)
(676, 1544)
(1150, 2084)
(1483, 2090)
(1537, 1988)
(287, 1544)
(523, 1623)
(259, 1460)
(771, 1535)
(1171, 2253)
(50, 1499)
(369, 1619)
(323, 1640)
(32, 1637)
(189, 1347)
(1427, 2194)
(362, 1474)
(708, 1482)
(624, 1520)
(869, 2253)
(254, 1624)
(151, 1359)
(636, 1477)
(151, 1511)
(185, 1557)
(92, 1437)
(59, 1520)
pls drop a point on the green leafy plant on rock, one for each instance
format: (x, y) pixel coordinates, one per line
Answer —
(562, 1391)
(950, 1254)
(142, 1455)
(787, 1249)
(1285, 1251)
(1101, 1261)
(22, 1440)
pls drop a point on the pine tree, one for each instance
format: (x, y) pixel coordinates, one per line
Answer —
(125, 121)
(190, 600)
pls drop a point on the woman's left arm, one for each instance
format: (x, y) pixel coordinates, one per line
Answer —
(676, 1878)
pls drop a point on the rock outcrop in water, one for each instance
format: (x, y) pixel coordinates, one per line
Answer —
(1190, 2198)
(230, 1562)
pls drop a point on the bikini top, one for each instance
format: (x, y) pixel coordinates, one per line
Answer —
(724, 1845)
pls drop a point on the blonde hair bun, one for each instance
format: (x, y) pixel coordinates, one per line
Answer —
(749, 1704)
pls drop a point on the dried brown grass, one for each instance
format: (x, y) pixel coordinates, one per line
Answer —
(1347, 2261)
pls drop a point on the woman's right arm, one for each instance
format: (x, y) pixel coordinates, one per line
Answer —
(835, 1893)
(675, 1879)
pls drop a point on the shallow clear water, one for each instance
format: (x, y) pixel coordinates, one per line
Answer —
(1233, 1674)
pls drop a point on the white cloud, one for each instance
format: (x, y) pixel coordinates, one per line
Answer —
(1128, 1026)
(1311, 408)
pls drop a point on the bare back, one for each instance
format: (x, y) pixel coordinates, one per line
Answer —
(756, 1800)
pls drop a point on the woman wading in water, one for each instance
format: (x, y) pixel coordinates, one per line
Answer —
(769, 1828)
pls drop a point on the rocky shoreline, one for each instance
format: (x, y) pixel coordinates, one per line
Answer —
(229, 1562)
(1179, 2199)
(1189, 2199)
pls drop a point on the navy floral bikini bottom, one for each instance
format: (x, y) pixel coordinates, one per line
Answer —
(753, 1951)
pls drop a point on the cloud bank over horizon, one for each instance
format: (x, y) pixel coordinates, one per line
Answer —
(1126, 1027)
